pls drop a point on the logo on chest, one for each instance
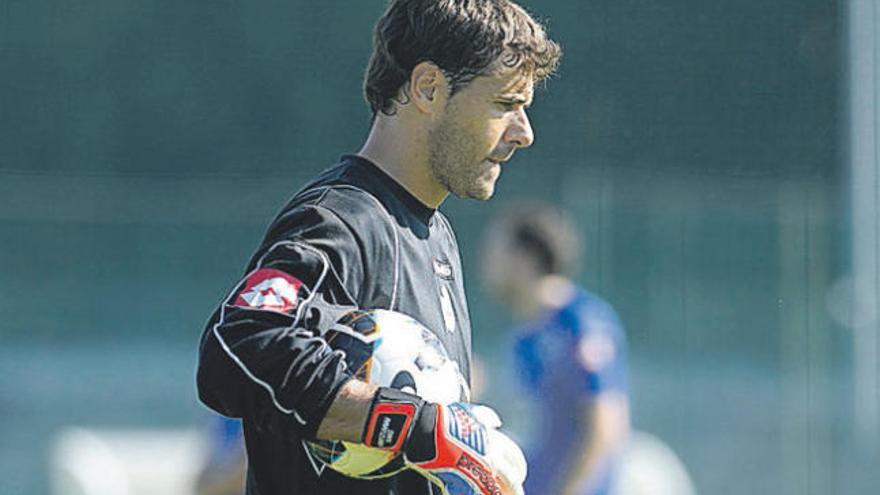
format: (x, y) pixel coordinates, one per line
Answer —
(443, 269)
(447, 309)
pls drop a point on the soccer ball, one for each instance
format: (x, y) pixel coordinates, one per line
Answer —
(394, 350)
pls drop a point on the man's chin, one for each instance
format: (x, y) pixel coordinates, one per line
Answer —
(481, 189)
(485, 189)
(483, 193)
(486, 195)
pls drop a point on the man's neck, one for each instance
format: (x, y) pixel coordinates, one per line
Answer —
(401, 152)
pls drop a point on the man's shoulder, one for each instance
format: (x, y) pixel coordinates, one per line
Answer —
(443, 220)
(593, 313)
(342, 189)
(336, 209)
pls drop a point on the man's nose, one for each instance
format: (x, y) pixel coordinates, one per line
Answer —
(520, 133)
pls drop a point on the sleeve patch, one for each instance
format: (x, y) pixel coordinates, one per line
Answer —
(596, 351)
(271, 290)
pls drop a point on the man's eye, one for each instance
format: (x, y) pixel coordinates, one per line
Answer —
(508, 106)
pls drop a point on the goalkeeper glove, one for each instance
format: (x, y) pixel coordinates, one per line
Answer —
(456, 446)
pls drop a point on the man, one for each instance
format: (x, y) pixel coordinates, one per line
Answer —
(569, 351)
(449, 83)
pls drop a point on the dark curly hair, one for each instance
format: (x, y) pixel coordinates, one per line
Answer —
(464, 38)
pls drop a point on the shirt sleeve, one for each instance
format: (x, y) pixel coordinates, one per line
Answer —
(262, 356)
(600, 350)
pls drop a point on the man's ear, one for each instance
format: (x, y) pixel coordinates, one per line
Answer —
(428, 87)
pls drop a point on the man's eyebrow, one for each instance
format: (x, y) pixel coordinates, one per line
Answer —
(515, 98)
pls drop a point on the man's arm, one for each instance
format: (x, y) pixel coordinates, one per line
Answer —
(606, 428)
(262, 356)
(347, 416)
(604, 407)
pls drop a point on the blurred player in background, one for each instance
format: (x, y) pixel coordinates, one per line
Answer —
(449, 83)
(569, 351)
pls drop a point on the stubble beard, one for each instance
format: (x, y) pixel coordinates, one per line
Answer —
(451, 157)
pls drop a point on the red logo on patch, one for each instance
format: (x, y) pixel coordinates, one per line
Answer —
(478, 473)
(271, 290)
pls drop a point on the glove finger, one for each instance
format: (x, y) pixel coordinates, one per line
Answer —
(508, 488)
(507, 458)
(486, 415)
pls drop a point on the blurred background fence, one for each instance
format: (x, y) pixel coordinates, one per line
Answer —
(719, 156)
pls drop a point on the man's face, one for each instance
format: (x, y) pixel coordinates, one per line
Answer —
(481, 127)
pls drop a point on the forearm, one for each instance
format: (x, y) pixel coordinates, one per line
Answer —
(348, 412)
(587, 466)
(606, 432)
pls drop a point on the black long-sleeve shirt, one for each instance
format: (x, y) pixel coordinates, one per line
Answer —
(353, 238)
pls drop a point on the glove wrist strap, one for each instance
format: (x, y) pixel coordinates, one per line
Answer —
(392, 416)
